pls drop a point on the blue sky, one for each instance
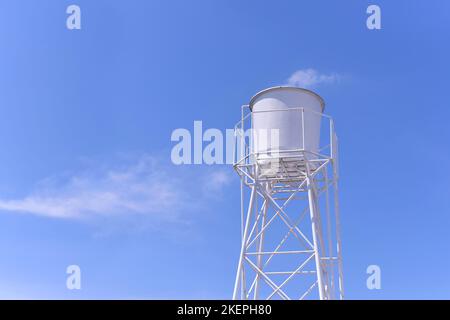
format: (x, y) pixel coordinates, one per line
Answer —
(86, 119)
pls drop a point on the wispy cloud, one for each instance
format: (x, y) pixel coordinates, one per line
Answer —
(310, 78)
(143, 187)
(217, 179)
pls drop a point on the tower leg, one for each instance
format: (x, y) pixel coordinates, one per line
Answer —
(314, 214)
(260, 249)
(240, 271)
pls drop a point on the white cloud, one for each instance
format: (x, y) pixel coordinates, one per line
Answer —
(144, 187)
(310, 78)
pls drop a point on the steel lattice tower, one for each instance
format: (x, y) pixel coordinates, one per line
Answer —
(291, 247)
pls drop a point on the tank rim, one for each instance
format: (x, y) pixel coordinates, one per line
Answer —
(256, 96)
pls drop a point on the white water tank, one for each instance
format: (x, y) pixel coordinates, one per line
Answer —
(295, 112)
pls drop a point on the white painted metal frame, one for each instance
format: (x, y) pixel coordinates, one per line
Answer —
(318, 251)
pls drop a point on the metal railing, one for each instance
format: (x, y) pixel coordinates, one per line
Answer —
(246, 155)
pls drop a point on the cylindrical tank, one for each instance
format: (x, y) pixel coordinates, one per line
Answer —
(295, 112)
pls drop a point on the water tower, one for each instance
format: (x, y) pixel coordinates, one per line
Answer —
(286, 157)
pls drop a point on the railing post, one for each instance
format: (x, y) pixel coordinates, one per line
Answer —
(303, 129)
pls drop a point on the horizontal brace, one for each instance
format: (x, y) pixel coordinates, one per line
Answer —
(280, 252)
(289, 272)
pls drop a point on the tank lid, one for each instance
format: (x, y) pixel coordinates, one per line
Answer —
(256, 96)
